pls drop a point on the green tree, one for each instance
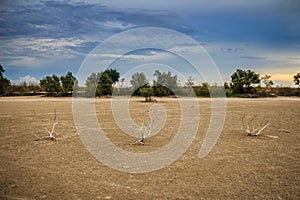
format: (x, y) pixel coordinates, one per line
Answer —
(4, 82)
(297, 79)
(165, 84)
(98, 84)
(228, 90)
(146, 92)
(138, 80)
(226, 85)
(266, 80)
(113, 74)
(202, 90)
(69, 83)
(105, 84)
(51, 84)
(243, 80)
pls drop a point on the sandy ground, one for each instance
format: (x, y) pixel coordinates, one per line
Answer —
(239, 167)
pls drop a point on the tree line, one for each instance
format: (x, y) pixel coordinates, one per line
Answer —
(243, 83)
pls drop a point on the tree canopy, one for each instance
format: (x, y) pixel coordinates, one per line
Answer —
(147, 92)
(297, 79)
(105, 84)
(165, 84)
(98, 84)
(138, 80)
(51, 84)
(113, 74)
(267, 81)
(55, 85)
(69, 83)
(243, 80)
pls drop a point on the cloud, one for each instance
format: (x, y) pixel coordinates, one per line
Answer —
(34, 49)
(143, 54)
(21, 61)
(116, 25)
(26, 79)
(253, 57)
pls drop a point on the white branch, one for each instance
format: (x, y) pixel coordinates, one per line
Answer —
(257, 131)
(52, 134)
(249, 128)
(146, 131)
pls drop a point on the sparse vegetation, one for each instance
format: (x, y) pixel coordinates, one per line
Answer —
(244, 83)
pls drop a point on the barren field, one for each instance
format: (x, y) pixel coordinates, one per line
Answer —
(239, 167)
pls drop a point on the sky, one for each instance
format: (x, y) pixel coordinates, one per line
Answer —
(41, 38)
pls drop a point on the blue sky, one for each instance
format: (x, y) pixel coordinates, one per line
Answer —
(39, 38)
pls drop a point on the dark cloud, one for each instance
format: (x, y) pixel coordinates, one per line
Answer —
(58, 19)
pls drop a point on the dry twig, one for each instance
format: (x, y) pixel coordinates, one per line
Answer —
(52, 133)
(249, 127)
(145, 130)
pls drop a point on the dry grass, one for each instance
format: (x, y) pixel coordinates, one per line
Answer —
(239, 167)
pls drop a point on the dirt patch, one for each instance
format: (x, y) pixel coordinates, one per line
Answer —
(239, 167)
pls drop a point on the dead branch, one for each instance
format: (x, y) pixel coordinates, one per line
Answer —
(272, 136)
(250, 129)
(145, 130)
(283, 130)
(51, 133)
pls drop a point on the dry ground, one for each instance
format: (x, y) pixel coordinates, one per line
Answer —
(239, 167)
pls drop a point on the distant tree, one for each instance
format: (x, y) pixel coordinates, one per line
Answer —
(266, 80)
(113, 74)
(165, 84)
(105, 84)
(202, 90)
(147, 92)
(69, 83)
(4, 82)
(91, 85)
(228, 90)
(138, 80)
(226, 85)
(243, 80)
(25, 87)
(51, 84)
(98, 84)
(297, 79)
(190, 82)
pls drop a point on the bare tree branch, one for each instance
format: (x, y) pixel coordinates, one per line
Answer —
(52, 133)
(249, 127)
(145, 130)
